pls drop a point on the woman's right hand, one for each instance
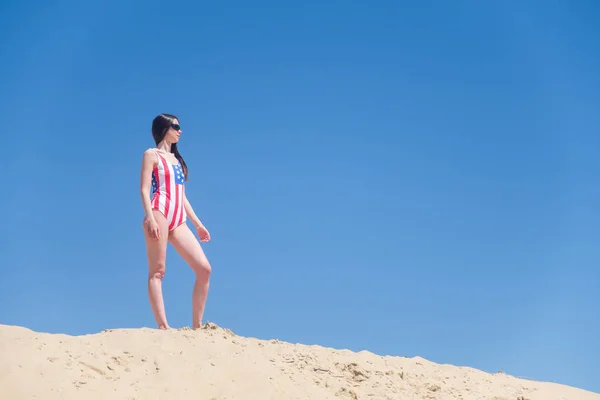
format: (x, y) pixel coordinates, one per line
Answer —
(153, 229)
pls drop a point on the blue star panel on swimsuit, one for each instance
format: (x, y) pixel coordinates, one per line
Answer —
(178, 174)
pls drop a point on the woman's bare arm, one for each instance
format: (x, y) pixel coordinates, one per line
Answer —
(148, 162)
(190, 213)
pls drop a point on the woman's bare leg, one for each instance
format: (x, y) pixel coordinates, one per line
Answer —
(156, 250)
(191, 251)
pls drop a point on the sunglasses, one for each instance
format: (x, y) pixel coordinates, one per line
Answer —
(176, 127)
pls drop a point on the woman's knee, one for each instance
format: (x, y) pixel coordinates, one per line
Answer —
(203, 268)
(157, 270)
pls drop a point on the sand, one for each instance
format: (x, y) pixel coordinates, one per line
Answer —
(215, 364)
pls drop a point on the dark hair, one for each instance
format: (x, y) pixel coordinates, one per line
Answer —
(160, 126)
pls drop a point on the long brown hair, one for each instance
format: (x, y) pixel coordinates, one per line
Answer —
(160, 126)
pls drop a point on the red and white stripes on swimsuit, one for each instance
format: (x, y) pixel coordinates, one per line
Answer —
(167, 195)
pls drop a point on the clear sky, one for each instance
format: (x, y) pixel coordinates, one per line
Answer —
(410, 178)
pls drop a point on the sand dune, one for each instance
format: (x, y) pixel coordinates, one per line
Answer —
(215, 364)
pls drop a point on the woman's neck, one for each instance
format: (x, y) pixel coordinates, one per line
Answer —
(164, 146)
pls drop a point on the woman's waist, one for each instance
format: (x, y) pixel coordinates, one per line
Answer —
(165, 194)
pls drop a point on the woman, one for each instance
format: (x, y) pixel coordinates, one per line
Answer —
(166, 211)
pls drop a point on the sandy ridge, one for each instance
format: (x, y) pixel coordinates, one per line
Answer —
(215, 364)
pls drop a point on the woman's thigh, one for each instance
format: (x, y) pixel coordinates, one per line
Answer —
(156, 249)
(187, 245)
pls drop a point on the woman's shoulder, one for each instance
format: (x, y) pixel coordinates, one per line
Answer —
(149, 155)
(149, 152)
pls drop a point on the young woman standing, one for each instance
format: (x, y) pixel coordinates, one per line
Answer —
(167, 209)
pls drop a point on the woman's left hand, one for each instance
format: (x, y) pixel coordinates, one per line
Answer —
(203, 233)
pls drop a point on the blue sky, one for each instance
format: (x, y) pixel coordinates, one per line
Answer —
(411, 178)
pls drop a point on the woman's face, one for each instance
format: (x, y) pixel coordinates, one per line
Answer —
(174, 132)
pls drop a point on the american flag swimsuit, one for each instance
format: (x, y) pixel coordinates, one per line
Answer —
(168, 191)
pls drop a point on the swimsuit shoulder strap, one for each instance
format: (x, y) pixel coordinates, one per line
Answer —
(159, 157)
